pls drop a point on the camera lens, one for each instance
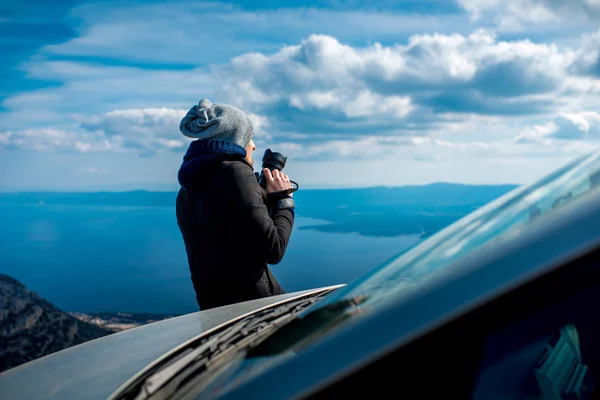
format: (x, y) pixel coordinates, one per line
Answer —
(273, 160)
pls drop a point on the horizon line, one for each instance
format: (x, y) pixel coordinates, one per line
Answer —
(173, 190)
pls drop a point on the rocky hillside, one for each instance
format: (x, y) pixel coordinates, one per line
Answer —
(31, 327)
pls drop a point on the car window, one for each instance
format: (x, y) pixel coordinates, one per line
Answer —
(552, 354)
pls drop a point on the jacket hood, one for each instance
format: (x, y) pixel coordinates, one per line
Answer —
(204, 153)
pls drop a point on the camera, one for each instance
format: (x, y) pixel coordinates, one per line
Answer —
(273, 161)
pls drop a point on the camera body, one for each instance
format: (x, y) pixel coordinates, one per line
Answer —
(272, 161)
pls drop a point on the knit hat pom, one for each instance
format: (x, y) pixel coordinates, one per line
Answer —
(217, 121)
(204, 112)
(204, 103)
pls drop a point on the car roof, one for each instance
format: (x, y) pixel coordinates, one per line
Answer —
(546, 243)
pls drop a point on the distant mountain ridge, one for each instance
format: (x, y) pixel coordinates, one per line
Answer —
(448, 192)
(31, 327)
(407, 210)
(376, 211)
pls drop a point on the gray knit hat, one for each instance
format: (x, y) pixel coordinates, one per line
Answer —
(217, 121)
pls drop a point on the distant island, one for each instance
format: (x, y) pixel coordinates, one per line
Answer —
(119, 321)
(407, 210)
(376, 211)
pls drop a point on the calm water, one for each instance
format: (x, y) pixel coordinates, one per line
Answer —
(101, 258)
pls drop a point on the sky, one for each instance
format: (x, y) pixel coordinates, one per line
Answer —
(355, 94)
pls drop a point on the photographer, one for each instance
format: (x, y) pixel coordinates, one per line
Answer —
(232, 226)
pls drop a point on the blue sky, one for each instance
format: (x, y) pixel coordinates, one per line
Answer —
(355, 93)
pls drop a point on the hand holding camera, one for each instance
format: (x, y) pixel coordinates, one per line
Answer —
(277, 181)
(271, 178)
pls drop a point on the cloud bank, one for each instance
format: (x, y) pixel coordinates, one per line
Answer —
(334, 94)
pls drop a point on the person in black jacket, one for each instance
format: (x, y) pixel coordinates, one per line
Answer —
(231, 227)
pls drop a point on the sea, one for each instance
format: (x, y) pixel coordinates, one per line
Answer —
(97, 258)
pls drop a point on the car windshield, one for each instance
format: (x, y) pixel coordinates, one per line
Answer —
(497, 220)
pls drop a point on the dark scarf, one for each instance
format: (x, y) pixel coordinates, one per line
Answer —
(203, 154)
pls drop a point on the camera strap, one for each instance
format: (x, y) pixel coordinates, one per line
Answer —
(292, 189)
(282, 193)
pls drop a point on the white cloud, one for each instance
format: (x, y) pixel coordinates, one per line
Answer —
(577, 126)
(260, 124)
(371, 88)
(324, 86)
(440, 152)
(510, 13)
(427, 62)
(92, 170)
(588, 57)
(320, 86)
(147, 130)
(521, 14)
(150, 130)
(201, 33)
(90, 88)
(48, 139)
(365, 148)
(363, 104)
(566, 127)
(319, 92)
(536, 134)
(145, 123)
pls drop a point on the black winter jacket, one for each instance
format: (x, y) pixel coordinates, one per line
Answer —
(228, 233)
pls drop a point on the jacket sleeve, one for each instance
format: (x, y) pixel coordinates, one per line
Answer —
(269, 235)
